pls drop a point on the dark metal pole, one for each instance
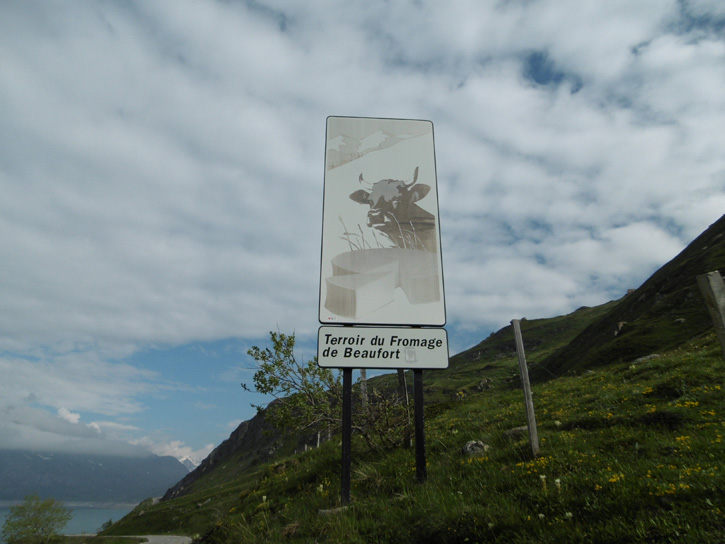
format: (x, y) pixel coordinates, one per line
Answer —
(421, 470)
(346, 435)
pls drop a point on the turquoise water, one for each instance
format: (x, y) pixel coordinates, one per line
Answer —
(87, 518)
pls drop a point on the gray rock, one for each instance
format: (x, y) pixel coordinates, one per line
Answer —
(486, 383)
(646, 358)
(475, 448)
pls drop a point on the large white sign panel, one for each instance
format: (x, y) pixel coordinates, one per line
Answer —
(381, 261)
(382, 347)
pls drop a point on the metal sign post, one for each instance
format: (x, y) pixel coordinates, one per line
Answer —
(421, 465)
(346, 435)
(381, 273)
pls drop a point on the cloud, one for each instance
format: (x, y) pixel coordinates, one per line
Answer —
(111, 427)
(175, 448)
(161, 170)
(45, 397)
(67, 415)
(79, 380)
(28, 427)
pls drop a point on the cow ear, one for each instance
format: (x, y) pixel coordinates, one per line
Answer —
(361, 196)
(418, 192)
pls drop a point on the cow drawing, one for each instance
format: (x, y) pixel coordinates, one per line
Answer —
(394, 212)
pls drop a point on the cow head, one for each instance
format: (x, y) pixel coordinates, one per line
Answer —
(393, 211)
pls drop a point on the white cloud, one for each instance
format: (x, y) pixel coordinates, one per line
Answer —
(161, 170)
(175, 448)
(67, 415)
(23, 426)
(111, 427)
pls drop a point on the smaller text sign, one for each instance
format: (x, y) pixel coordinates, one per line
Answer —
(382, 347)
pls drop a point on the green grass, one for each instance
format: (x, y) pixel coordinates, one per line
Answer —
(630, 452)
(101, 540)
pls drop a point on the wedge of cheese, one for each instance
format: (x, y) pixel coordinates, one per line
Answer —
(365, 280)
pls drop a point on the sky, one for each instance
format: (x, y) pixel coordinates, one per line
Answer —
(161, 182)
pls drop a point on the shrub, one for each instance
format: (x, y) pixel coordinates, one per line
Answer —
(35, 521)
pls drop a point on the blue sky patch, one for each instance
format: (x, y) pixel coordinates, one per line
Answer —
(540, 69)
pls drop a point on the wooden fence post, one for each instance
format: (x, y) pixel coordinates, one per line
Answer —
(530, 417)
(713, 290)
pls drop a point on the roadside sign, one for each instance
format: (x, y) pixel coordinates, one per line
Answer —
(381, 260)
(382, 347)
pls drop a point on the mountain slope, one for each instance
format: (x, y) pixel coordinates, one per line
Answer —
(253, 441)
(631, 450)
(256, 441)
(666, 311)
(629, 453)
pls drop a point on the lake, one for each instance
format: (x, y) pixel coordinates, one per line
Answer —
(87, 517)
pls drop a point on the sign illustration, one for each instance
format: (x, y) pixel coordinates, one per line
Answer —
(393, 212)
(381, 261)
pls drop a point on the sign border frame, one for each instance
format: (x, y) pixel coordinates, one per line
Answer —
(344, 321)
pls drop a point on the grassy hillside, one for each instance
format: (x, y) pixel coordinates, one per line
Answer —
(630, 453)
(666, 311)
(631, 427)
(487, 362)
(473, 370)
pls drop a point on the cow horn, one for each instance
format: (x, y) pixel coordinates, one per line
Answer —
(415, 178)
(363, 182)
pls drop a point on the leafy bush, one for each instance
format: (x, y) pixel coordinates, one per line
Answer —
(35, 521)
(307, 396)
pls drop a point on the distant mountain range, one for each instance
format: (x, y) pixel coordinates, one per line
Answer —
(189, 464)
(84, 477)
